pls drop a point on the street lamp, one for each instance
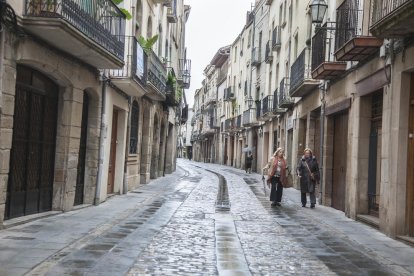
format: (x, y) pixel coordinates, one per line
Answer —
(318, 10)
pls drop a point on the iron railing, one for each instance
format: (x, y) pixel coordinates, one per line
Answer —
(157, 73)
(222, 75)
(184, 73)
(284, 97)
(228, 95)
(249, 116)
(256, 56)
(383, 8)
(239, 121)
(276, 38)
(267, 104)
(323, 45)
(228, 124)
(101, 21)
(283, 91)
(348, 22)
(269, 52)
(135, 62)
(300, 70)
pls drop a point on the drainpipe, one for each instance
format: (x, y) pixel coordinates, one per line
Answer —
(322, 140)
(2, 38)
(125, 180)
(102, 139)
(166, 130)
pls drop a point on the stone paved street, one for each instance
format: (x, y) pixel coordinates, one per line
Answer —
(173, 226)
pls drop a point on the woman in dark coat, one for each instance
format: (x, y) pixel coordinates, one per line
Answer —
(308, 173)
(248, 162)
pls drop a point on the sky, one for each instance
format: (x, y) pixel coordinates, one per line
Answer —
(212, 24)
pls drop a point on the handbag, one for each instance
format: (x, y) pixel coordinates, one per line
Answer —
(311, 174)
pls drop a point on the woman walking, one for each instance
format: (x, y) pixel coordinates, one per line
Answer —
(277, 176)
(308, 173)
(248, 162)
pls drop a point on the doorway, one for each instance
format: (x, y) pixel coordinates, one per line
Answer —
(339, 161)
(374, 159)
(80, 179)
(410, 164)
(32, 157)
(112, 154)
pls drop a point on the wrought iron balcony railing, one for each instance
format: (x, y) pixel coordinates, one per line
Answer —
(249, 117)
(269, 52)
(257, 56)
(348, 22)
(276, 38)
(267, 105)
(300, 70)
(383, 8)
(228, 94)
(101, 21)
(135, 62)
(184, 73)
(157, 73)
(284, 99)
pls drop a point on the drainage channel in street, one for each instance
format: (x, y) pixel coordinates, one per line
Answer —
(230, 255)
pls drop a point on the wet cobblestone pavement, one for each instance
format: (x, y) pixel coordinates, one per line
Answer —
(204, 219)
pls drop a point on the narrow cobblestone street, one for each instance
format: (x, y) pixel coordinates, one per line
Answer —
(173, 226)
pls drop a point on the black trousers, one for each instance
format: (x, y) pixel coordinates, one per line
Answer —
(312, 198)
(277, 190)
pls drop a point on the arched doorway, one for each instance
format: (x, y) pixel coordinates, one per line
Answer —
(30, 184)
(155, 148)
(80, 179)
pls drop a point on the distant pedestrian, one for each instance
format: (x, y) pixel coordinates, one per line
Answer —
(248, 162)
(277, 176)
(308, 173)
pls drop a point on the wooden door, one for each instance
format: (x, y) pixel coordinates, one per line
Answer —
(410, 164)
(30, 184)
(112, 156)
(339, 161)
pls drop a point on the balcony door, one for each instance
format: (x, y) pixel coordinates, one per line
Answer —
(410, 164)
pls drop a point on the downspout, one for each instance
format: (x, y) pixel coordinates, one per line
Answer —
(322, 141)
(102, 139)
(166, 129)
(125, 180)
(2, 38)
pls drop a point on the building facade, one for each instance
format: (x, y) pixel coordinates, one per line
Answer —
(81, 100)
(342, 86)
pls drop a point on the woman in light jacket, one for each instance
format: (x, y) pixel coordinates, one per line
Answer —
(277, 176)
(308, 173)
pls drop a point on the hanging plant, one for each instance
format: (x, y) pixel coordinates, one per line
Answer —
(147, 44)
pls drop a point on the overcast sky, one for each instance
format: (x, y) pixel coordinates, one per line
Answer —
(212, 24)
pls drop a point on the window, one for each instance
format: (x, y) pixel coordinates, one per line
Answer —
(133, 138)
(249, 39)
(160, 38)
(295, 47)
(138, 19)
(235, 54)
(149, 28)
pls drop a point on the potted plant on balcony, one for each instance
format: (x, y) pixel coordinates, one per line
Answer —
(147, 44)
(43, 7)
(171, 83)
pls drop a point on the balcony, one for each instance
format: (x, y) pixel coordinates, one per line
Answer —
(210, 100)
(324, 66)
(268, 53)
(276, 38)
(184, 115)
(269, 2)
(250, 117)
(157, 78)
(256, 56)
(284, 101)
(350, 44)
(238, 122)
(392, 18)
(184, 73)
(172, 12)
(222, 75)
(229, 125)
(91, 32)
(132, 77)
(228, 95)
(301, 81)
(267, 108)
(170, 90)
